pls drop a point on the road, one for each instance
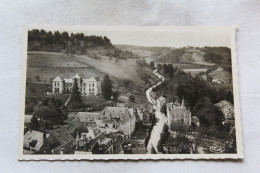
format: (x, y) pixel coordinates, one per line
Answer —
(161, 119)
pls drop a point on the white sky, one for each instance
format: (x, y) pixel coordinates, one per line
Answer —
(160, 36)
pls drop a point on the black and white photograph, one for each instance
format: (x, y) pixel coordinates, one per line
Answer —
(129, 93)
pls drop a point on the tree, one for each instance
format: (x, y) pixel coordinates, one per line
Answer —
(76, 100)
(170, 70)
(65, 36)
(164, 109)
(152, 64)
(29, 108)
(131, 98)
(164, 137)
(57, 37)
(165, 68)
(115, 95)
(34, 123)
(106, 87)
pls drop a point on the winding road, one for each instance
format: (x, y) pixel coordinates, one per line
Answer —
(158, 127)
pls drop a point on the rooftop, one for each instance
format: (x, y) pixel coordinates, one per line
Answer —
(35, 138)
(161, 98)
(62, 135)
(85, 117)
(122, 113)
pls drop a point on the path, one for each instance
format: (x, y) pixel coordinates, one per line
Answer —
(158, 127)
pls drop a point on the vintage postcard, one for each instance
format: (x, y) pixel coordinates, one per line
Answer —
(129, 93)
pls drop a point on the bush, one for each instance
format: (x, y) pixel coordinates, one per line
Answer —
(29, 109)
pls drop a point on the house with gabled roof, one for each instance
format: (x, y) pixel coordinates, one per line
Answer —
(34, 141)
(227, 110)
(178, 114)
(118, 118)
(87, 118)
(87, 86)
(160, 101)
(62, 135)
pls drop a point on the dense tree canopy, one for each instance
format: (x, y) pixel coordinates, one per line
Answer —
(106, 87)
(71, 43)
(34, 123)
(76, 100)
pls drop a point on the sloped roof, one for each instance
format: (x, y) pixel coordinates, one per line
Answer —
(68, 80)
(57, 79)
(160, 99)
(109, 113)
(92, 133)
(34, 136)
(179, 111)
(227, 108)
(62, 135)
(94, 141)
(85, 78)
(92, 79)
(27, 118)
(74, 126)
(76, 76)
(223, 103)
(67, 148)
(85, 117)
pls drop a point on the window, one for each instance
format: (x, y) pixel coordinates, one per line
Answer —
(106, 125)
(114, 126)
(93, 85)
(90, 85)
(93, 89)
(89, 90)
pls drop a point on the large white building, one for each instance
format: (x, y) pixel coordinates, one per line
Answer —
(91, 86)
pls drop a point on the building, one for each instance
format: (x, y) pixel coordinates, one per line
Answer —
(100, 144)
(35, 141)
(178, 115)
(160, 101)
(87, 118)
(84, 138)
(117, 118)
(91, 86)
(62, 135)
(67, 148)
(227, 110)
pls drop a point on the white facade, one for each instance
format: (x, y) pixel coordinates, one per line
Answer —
(87, 87)
(160, 101)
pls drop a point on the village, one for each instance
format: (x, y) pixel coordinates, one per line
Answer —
(85, 95)
(120, 128)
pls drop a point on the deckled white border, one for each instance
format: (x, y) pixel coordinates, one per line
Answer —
(21, 156)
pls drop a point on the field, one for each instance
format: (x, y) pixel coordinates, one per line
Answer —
(37, 89)
(121, 69)
(93, 100)
(43, 67)
(47, 74)
(52, 59)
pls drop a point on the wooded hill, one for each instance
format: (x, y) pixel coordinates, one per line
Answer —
(80, 44)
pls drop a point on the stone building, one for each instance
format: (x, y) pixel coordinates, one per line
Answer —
(160, 101)
(117, 118)
(91, 86)
(178, 114)
(227, 110)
